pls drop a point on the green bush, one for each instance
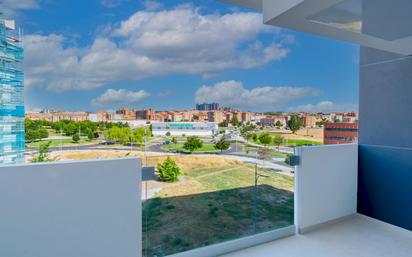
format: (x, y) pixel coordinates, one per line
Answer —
(287, 159)
(76, 138)
(168, 170)
(192, 143)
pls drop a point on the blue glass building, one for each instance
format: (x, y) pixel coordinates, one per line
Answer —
(11, 96)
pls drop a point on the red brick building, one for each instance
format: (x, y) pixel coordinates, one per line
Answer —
(340, 133)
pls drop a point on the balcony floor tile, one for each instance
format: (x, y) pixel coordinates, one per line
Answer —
(359, 236)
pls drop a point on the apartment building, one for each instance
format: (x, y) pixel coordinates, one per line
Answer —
(74, 116)
(267, 121)
(127, 114)
(148, 114)
(216, 116)
(200, 117)
(207, 107)
(246, 117)
(340, 133)
(39, 116)
(176, 116)
(309, 121)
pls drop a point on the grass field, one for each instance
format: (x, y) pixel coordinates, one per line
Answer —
(213, 205)
(251, 150)
(64, 142)
(290, 141)
(179, 147)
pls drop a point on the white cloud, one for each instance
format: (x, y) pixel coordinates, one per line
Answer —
(325, 107)
(149, 44)
(113, 97)
(234, 94)
(152, 5)
(10, 7)
(111, 3)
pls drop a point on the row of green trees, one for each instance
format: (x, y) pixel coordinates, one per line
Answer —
(35, 130)
(194, 143)
(125, 135)
(38, 129)
(266, 139)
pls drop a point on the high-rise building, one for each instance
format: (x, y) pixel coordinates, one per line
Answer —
(11, 96)
(207, 107)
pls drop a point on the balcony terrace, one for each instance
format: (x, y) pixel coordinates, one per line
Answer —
(339, 201)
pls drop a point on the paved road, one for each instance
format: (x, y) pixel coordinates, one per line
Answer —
(236, 151)
(232, 149)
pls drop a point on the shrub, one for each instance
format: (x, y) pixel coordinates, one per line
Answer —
(76, 138)
(287, 159)
(170, 206)
(193, 143)
(43, 154)
(222, 145)
(168, 170)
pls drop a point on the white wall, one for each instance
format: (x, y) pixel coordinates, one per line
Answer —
(326, 184)
(71, 209)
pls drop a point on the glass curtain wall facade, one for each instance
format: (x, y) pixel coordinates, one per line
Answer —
(12, 137)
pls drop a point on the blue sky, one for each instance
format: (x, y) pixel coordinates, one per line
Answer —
(105, 54)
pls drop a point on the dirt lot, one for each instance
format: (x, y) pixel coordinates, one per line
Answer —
(313, 134)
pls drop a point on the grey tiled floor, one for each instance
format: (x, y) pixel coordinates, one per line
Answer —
(358, 236)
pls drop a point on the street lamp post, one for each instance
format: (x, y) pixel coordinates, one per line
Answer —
(61, 138)
(257, 176)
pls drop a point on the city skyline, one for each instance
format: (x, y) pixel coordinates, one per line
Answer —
(130, 54)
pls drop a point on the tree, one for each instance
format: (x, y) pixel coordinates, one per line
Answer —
(249, 136)
(222, 144)
(76, 138)
(138, 135)
(247, 129)
(223, 124)
(235, 121)
(120, 135)
(295, 123)
(168, 134)
(32, 135)
(168, 170)
(192, 143)
(265, 138)
(34, 130)
(174, 140)
(43, 154)
(254, 137)
(321, 123)
(70, 129)
(264, 153)
(278, 140)
(90, 134)
(43, 133)
(278, 124)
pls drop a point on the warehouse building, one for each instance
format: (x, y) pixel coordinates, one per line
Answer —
(185, 128)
